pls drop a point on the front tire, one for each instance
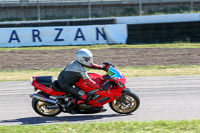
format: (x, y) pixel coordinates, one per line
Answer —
(126, 104)
(40, 107)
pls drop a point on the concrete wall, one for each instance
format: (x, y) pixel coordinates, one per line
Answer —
(167, 18)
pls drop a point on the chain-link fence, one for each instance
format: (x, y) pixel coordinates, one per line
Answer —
(62, 9)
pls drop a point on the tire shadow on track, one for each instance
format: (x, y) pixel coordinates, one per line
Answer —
(51, 120)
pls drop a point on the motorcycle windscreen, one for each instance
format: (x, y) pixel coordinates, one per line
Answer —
(113, 72)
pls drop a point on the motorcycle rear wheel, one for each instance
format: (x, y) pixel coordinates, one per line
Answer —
(130, 103)
(40, 107)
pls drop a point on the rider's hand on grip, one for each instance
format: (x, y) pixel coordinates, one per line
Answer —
(105, 69)
(106, 66)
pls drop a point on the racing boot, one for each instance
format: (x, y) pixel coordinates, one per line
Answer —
(69, 106)
(72, 102)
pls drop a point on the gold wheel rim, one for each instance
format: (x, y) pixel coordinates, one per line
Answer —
(127, 107)
(41, 107)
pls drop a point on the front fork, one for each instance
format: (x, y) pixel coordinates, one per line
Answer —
(122, 98)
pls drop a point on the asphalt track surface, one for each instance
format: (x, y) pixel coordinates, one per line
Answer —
(162, 98)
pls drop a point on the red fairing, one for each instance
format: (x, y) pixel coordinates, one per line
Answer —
(123, 79)
(45, 89)
(92, 83)
(84, 85)
(84, 97)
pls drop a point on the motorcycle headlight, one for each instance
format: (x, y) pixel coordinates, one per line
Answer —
(31, 80)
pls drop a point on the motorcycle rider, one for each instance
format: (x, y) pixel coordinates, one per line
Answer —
(74, 71)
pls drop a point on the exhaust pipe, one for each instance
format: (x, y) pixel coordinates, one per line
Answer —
(43, 99)
(53, 107)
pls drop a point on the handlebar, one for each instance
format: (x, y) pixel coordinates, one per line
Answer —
(108, 64)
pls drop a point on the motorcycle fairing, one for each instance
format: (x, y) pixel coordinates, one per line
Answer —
(83, 86)
(103, 96)
(46, 89)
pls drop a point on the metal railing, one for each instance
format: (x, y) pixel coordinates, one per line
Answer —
(122, 1)
(90, 3)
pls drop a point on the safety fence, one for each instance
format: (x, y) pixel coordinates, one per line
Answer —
(108, 34)
(62, 9)
(117, 30)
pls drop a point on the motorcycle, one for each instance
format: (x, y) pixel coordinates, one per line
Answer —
(50, 100)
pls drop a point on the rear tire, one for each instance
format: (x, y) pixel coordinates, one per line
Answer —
(132, 102)
(39, 107)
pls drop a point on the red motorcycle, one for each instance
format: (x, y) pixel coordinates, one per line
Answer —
(50, 100)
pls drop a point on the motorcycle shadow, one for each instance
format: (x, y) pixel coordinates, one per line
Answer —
(59, 119)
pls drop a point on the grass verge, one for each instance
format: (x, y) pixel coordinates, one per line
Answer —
(147, 71)
(166, 45)
(190, 126)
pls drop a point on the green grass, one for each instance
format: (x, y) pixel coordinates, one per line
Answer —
(147, 71)
(166, 45)
(190, 126)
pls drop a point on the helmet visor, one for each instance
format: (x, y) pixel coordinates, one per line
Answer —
(87, 59)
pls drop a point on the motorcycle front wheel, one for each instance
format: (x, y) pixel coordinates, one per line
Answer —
(40, 107)
(126, 104)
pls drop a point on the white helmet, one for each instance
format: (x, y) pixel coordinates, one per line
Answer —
(85, 57)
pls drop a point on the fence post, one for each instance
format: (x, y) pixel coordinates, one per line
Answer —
(89, 9)
(161, 3)
(140, 7)
(192, 5)
(38, 9)
(23, 2)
